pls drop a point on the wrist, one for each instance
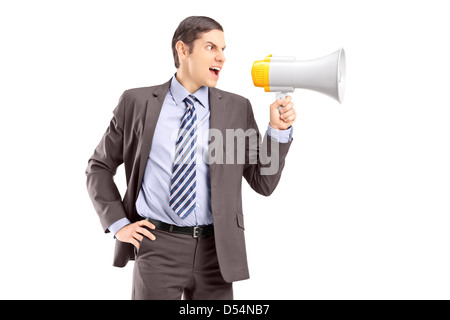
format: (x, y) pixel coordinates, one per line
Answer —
(273, 126)
(118, 225)
(276, 127)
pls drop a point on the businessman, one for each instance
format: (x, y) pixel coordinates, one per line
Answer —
(181, 217)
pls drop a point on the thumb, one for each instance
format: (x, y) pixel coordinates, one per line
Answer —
(281, 102)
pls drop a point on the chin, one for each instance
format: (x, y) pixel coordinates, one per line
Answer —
(211, 83)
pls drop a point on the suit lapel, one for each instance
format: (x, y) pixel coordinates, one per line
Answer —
(153, 109)
(217, 111)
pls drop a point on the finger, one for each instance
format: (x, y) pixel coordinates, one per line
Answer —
(276, 104)
(138, 236)
(285, 101)
(135, 243)
(286, 114)
(290, 119)
(146, 233)
(288, 107)
(147, 224)
(280, 102)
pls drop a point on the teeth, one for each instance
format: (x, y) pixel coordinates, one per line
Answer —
(215, 68)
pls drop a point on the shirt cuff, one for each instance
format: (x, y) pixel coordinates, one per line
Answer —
(119, 224)
(282, 136)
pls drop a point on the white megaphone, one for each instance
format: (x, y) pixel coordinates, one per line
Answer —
(285, 74)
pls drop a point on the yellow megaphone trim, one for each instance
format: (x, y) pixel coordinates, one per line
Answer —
(260, 73)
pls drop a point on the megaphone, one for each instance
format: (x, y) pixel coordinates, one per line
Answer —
(284, 74)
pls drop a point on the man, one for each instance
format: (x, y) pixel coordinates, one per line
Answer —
(181, 218)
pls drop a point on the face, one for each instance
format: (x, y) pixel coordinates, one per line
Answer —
(203, 65)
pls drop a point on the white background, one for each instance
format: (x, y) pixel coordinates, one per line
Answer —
(362, 209)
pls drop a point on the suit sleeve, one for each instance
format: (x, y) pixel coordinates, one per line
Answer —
(102, 167)
(264, 160)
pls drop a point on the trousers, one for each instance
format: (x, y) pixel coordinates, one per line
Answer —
(178, 266)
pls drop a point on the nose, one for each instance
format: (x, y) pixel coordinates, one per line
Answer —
(220, 57)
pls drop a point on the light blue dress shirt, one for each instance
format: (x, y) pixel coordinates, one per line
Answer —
(153, 199)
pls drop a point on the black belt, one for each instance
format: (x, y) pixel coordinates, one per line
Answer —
(196, 232)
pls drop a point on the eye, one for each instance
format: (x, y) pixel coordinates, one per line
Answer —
(209, 47)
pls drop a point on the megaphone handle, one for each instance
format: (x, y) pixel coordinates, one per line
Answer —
(281, 95)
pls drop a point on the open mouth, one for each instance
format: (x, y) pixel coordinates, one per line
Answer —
(215, 71)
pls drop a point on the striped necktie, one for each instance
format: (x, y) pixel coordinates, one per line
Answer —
(183, 182)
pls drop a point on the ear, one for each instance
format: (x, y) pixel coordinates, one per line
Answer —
(182, 50)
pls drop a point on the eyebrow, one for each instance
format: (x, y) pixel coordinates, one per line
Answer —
(214, 45)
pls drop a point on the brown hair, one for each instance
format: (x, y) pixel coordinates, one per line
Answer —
(191, 29)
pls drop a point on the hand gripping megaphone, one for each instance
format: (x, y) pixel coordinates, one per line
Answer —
(285, 74)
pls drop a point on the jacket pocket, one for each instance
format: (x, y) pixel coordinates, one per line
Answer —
(240, 220)
(138, 251)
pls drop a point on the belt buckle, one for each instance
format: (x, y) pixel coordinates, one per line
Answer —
(195, 234)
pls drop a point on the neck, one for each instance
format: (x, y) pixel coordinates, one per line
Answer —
(186, 81)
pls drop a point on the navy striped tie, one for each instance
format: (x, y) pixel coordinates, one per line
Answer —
(183, 183)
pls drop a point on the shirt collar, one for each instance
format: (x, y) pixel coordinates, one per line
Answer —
(179, 93)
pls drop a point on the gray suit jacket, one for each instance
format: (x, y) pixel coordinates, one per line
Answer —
(128, 140)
